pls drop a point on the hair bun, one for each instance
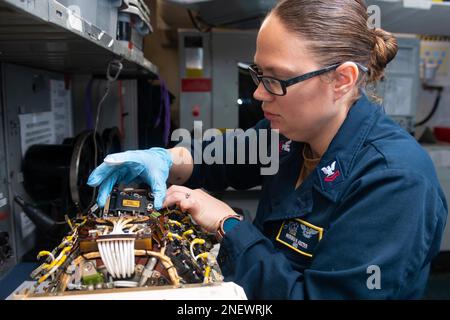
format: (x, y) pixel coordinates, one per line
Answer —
(385, 49)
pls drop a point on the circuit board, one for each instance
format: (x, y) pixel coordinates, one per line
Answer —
(128, 244)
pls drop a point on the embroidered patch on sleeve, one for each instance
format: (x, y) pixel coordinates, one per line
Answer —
(331, 174)
(300, 236)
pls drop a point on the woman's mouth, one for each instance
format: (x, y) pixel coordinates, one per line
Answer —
(270, 116)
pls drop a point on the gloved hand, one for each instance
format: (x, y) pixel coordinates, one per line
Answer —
(150, 166)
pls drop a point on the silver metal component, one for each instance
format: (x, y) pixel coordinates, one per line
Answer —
(71, 269)
(35, 273)
(108, 285)
(148, 271)
(77, 275)
(94, 208)
(138, 269)
(88, 269)
(147, 230)
(125, 284)
(76, 286)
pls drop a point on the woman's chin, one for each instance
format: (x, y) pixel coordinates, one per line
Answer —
(282, 130)
(275, 124)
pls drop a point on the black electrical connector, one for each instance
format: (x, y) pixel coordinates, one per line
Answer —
(42, 221)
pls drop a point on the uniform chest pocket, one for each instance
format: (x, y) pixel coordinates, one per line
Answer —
(300, 236)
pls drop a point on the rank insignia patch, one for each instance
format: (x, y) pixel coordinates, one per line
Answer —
(331, 174)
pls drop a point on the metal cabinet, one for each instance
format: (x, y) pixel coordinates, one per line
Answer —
(7, 258)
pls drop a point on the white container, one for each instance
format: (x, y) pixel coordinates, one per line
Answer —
(101, 13)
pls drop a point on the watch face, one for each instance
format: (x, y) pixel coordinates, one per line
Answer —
(220, 231)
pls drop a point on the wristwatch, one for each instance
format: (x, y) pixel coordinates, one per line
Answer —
(220, 233)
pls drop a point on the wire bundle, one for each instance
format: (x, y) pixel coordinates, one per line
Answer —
(117, 251)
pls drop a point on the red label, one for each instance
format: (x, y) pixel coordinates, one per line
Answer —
(4, 216)
(196, 85)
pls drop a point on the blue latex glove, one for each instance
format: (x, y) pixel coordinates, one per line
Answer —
(150, 166)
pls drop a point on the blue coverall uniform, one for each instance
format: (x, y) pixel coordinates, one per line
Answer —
(365, 224)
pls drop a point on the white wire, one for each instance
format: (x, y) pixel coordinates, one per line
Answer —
(110, 247)
(126, 258)
(101, 247)
(108, 258)
(110, 79)
(192, 249)
(130, 256)
(123, 267)
(118, 255)
(116, 250)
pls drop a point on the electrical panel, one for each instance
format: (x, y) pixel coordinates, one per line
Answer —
(196, 79)
(434, 59)
(211, 77)
(400, 87)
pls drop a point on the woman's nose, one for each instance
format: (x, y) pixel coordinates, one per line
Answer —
(262, 94)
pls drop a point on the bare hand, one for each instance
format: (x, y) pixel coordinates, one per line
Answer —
(206, 210)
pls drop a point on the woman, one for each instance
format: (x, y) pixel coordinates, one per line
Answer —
(355, 210)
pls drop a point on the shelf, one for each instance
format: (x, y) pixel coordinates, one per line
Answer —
(399, 19)
(43, 34)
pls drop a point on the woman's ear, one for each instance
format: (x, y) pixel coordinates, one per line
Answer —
(345, 78)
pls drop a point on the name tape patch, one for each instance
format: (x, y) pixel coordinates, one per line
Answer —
(300, 236)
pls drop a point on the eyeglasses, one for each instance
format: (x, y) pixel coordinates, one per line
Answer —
(279, 87)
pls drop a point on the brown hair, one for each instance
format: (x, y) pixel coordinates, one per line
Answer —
(338, 32)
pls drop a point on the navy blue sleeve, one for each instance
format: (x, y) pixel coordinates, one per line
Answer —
(240, 176)
(391, 219)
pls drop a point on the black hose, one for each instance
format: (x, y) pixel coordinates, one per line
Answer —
(43, 222)
(435, 107)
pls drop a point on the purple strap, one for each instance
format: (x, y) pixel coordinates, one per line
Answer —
(164, 105)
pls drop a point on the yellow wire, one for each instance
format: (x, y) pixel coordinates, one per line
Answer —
(171, 235)
(174, 222)
(69, 223)
(188, 233)
(203, 255)
(207, 272)
(198, 241)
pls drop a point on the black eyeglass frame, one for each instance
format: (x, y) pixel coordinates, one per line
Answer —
(257, 78)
